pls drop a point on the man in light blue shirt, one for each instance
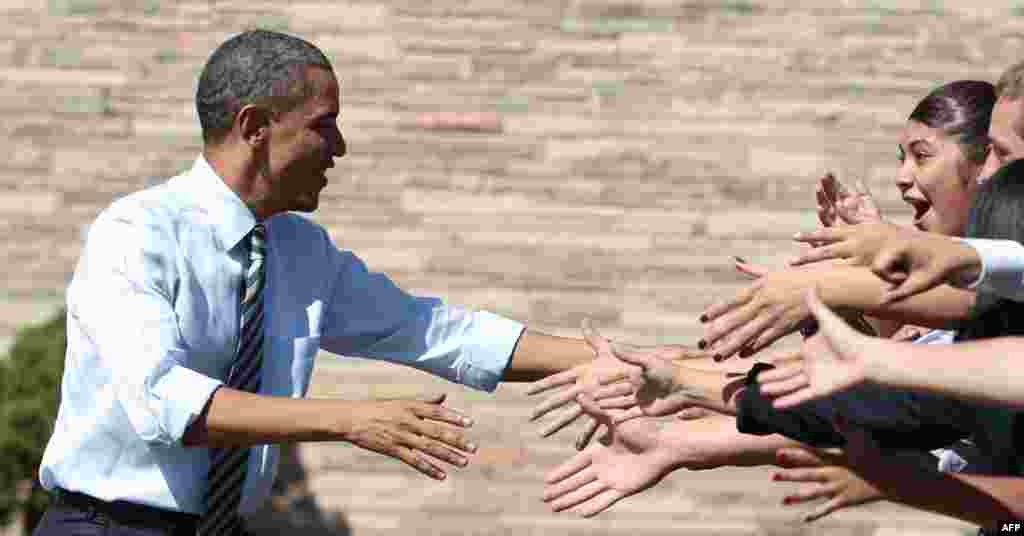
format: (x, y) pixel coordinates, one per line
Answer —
(155, 308)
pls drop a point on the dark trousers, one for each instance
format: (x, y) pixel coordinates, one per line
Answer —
(72, 514)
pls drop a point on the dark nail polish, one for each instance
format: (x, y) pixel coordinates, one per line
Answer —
(702, 344)
(719, 357)
(703, 318)
(746, 352)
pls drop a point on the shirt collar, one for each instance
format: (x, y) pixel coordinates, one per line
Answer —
(232, 220)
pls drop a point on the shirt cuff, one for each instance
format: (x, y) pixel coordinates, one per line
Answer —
(178, 398)
(1002, 267)
(493, 338)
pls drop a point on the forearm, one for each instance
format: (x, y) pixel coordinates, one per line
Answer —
(713, 442)
(985, 500)
(235, 418)
(713, 390)
(976, 370)
(538, 355)
(859, 289)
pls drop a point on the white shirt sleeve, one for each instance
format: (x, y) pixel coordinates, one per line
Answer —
(1002, 267)
(121, 299)
(369, 316)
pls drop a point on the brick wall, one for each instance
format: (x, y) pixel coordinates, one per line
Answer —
(543, 159)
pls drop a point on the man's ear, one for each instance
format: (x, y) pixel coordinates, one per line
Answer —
(252, 123)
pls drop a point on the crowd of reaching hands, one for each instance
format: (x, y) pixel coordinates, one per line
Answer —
(903, 388)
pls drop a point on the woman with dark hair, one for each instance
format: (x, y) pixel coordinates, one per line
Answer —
(942, 151)
(983, 372)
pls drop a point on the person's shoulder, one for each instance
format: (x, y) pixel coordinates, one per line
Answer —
(153, 208)
(293, 226)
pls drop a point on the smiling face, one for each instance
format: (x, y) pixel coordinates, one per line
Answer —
(302, 145)
(935, 179)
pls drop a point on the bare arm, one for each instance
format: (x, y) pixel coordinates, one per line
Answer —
(403, 429)
(538, 355)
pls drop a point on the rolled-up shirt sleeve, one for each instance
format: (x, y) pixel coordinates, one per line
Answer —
(121, 299)
(369, 316)
(1002, 267)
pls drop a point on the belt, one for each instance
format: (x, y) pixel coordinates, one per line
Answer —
(126, 513)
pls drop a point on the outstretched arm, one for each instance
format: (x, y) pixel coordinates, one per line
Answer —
(638, 454)
(985, 500)
(773, 306)
(838, 357)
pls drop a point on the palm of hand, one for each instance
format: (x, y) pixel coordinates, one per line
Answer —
(856, 208)
(827, 371)
(630, 462)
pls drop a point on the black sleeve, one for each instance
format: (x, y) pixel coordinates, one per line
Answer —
(896, 418)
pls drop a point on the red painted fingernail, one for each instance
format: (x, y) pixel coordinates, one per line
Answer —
(719, 357)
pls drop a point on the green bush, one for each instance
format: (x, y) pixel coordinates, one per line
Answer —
(30, 380)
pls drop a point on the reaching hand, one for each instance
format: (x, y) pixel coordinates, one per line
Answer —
(912, 261)
(408, 429)
(578, 379)
(605, 368)
(835, 358)
(838, 204)
(630, 459)
(823, 477)
(768, 309)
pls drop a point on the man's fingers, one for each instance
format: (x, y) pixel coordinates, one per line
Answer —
(439, 451)
(435, 412)
(567, 396)
(577, 496)
(600, 503)
(575, 465)
(568, 485)
(452, 437)
(565, 377)
(562, 421)
(419, 463)
(589, 429)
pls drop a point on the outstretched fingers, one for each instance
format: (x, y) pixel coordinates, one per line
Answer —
(599, 503)
(553, 381)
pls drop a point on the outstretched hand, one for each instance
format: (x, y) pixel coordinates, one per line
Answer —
(911, 261)
(417, 432)
(631, 458)
(834, 359)
(839, 204)
(822, 476)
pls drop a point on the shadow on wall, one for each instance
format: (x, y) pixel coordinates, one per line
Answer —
(293, 508)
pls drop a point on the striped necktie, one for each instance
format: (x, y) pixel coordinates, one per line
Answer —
(228, 465)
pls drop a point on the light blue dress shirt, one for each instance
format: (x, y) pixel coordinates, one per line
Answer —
(153, 323)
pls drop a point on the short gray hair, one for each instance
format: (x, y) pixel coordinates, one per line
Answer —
(257, 66)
